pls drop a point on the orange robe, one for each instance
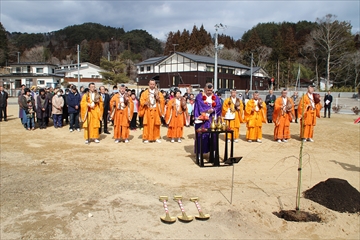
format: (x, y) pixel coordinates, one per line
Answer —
(234, 124)
(123, 114)
(254, 120)
(307, 113)
(152, 114)
(91, 117)
(282, 118)
(175, 117)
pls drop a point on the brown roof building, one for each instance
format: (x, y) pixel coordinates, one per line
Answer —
(188, 69)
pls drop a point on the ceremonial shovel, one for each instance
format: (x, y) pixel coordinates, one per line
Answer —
(201, 215)
(183, 217)
(167, 218)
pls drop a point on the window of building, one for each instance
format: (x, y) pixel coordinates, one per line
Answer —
(39, 70)
(231, 83)
(28, 82)
(6, 84)
(18, 69)
(209, 80)
(76, 76)
(209, 68)
(28, 69)
(148, 68)
(231, 71)
(17, 83)
(141, 68)
(41, 82)
(261, 83)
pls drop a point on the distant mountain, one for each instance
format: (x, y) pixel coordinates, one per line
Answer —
(93, 38)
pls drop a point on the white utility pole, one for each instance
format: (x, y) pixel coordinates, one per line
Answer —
(217, 47)
(175, 44)
(298, 78)
(78, 64)
(251, 64)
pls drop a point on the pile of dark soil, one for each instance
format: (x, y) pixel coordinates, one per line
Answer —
(336, 194)
(300, 216)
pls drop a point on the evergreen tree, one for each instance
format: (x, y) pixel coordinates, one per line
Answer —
(168, 44)
(95, 52)
(84, 51)
(195, 45)
(4, 51)
(184, 41)
(115, 71)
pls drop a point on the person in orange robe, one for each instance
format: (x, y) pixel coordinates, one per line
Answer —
(235, 106)
(283, 114)
(122, 109)
(92, 108)
(152, 105)
(308, 110)
(176, 116)
(255, 116)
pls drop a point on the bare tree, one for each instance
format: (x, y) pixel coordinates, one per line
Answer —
(263, 55)
(225, 53)
(309, 51)
(35, 54)
(333, 38)
(352, 68)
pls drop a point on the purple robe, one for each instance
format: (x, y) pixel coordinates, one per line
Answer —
(199, 107)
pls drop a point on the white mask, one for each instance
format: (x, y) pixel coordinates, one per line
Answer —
(59, 93)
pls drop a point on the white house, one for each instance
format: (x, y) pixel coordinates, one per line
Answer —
(88, 72)
(31, 74)
(322, 84)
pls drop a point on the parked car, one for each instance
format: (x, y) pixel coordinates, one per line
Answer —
(223, 90)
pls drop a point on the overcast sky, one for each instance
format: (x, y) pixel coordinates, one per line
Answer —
(160, 17)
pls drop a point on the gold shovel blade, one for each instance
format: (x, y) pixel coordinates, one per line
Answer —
(168, 219)
(202, 216)
(185, 218)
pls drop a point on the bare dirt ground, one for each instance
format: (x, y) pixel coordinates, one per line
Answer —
(53, 186)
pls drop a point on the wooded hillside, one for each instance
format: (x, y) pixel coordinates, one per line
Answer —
(325, 48)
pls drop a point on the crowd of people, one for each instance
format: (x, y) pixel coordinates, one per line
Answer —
(93, 110)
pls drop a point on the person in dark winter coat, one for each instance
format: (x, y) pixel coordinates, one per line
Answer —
(3, 104)
(270, 102)
(42, 109)
(73, 100)
(65, 115)
(327, 104)
(49, 95)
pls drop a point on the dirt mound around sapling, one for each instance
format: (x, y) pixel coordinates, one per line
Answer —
(336, 194)
(297, 216)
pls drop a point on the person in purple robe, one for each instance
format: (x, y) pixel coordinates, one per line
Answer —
(206, 102)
